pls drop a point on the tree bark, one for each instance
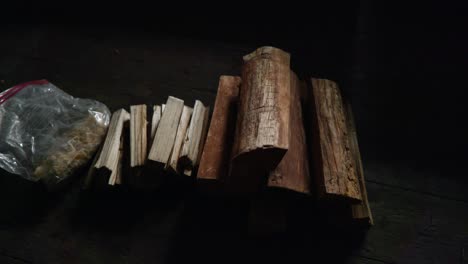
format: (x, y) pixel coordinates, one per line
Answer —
(262, 129)
(336, 169)
(214, 161)
(292, 172)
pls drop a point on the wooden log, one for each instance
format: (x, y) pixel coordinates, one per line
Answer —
(165, 134)
(214, 161)
(138, 136)
(360, 211)
(262, 129)
(155, 120)
(336, 170)
(292, 172)
(179, 140)
(194, 139)
(107, 164)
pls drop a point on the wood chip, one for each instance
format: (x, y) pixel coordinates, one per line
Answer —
(292, 172)
(138, 135)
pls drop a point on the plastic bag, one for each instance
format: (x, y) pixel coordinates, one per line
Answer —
(46, 134)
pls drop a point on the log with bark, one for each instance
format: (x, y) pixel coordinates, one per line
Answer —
(292, 173)
(262, 129)
(214, 161)
(335, 166)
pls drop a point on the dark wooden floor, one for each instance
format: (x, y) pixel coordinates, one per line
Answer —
(416, 183)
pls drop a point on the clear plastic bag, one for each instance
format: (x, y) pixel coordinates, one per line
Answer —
(46, 134)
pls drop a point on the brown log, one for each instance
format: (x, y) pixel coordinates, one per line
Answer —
(262, 129)
(360, 211)
(292, 172)
(214, 161)
(336, 170)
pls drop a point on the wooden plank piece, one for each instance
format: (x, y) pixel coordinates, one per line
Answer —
(166, 132)
(107, 163)
(138, 135)
(336, 170)
(262, 130)
(360, 211)
(194, 138)
(292, 172)
(180, 137)
(155, 120)
(214, 161)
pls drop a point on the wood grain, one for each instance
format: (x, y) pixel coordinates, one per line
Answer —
(292, 172)
(262, 130)
(138, 135)
(194, 138)
(155, 120)
(180, 137)
(214, 161)
(360, 211)
(336, 169)
(165, 134)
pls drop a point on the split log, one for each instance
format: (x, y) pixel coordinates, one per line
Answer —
(155, 120)
(165, 133)
(194, 138)
(138, 136)
(116, 178)
(214, 161)
(292, 172)
(360, 211)
(107, 164)
(163, 106)
(179, 140)
(262, 130)
(336, 171)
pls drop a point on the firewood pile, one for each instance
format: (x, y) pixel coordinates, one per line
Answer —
(268, 130)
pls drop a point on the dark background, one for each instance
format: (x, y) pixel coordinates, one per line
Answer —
(403, 66)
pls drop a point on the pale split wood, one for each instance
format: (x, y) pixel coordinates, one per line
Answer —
(180, 137)
(194, 138)
(361, 210)
(109, 153)
(155, 120)
(163, 106)
(116, 175)
(138, 135)
(214, 161)
(292, 172)
(336, 169)
(262, 130)
(166, 132)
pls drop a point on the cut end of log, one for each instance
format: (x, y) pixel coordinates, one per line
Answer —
(269, 53)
